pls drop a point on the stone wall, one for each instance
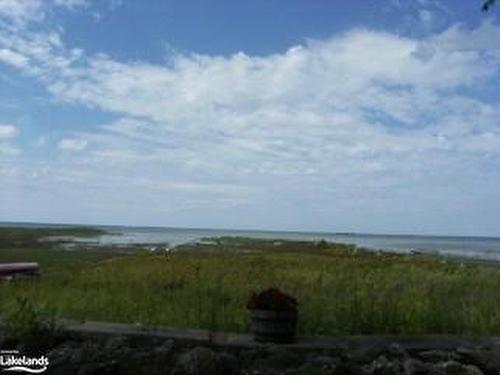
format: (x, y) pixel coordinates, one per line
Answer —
(101, 348)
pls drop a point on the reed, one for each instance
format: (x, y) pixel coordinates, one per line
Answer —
(340, 290)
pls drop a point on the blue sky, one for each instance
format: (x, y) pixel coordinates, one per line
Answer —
(372, 116)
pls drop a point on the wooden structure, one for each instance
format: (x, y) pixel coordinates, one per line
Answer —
(10, 271)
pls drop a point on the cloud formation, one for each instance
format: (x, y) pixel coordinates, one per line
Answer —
(71, 4)
(302, 111)
(20, 11)
(72, 144)
(8, 131)
(365, 118)
(7, 134)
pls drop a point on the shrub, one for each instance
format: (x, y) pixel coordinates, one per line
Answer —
(34, 327)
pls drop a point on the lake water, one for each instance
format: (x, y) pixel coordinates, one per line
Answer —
(473, 247)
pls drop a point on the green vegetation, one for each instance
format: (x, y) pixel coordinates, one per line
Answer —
(19, 244)
(34, 326)
(29, 237)
(340, 289)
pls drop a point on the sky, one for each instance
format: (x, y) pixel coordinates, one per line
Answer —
(376, 116)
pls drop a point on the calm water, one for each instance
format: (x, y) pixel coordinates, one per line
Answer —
(475, 247)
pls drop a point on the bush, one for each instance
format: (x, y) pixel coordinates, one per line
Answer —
(32, 326)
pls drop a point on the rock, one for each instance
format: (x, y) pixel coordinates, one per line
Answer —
(435, 356)
(255, 372)
(198, 361)
(124, 354)
(60, 359)
(164, 352)
(347, 368)
(324, 360)
(227, 364)
(62, 353)
(383, 366)
(116, 343)
(278, 358)
(321, 365)
(415, 367)
(310, 369)
(99, 368)
(168, 344)
(487, 360)
(248, 357)
(456, 368)
(78, 356)
(367, 355)
(396, 351)
(146, 362)
(473, 370)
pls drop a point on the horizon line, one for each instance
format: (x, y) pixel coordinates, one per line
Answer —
(337, 233)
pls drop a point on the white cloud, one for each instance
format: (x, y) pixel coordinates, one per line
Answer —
(72, 144)
(20, 11)
(7, 149)
(71, 4)
(7, 134)
(420, 17)
(115, 4)
(301, 112)
(8, 131)
(366, 117)
(334, 70)
(13, 58)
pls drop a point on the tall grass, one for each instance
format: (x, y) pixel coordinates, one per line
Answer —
(340, 290)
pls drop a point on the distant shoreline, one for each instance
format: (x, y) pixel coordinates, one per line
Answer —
(471, 248)
(319, 233)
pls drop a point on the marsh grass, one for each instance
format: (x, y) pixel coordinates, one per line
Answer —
(33, 326)
(30, 237)
(340, 290)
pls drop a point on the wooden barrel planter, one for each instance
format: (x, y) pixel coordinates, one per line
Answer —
(274, 326)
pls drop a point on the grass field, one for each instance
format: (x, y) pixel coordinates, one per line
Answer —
(340, 290)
